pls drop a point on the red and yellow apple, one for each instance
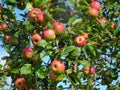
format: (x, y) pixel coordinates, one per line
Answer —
(20, 82)
(102, 20)
(36, 38)
(49, 34)
(58, 27)
(27, 52)
(57, 66)
(93, 11)
(21, 88)
(96, 5)
(85, 35)
(6, 39)
(88, 70)
(80, 41)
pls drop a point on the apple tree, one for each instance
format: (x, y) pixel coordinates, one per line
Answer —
(60, 44)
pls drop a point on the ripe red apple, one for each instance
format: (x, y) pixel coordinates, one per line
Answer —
(85, 35)
(36, 38)
(58, 27)
(27, 52)
(36, 15)
(93, 12)
(80, 41)
(3, 26)
(21, 88)
(53, 77)
(49, 34)
(102, 20)
(57, 66)
(88, 70)
(113, 25)
(6, 39)
(96, 5)
(20, 82)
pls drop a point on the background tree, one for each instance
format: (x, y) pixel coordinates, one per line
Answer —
(69, 41)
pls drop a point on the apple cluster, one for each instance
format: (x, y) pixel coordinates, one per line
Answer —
(81, 40)
(94, 8)
(57, 67)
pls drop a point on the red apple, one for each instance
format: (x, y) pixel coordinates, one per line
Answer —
(53, 77)
(21, 88)
(3, 26)
(96, 5)
(85, 35)
(6, 39)
(6, 69)
(102, 20)
(58, 27)
(93, 12)
(27, 52)
(88, 70)
(80, 41)
(36, 15)
(30, 88)
(113, 25)
(57, 66)
(36, 38)
(49, 34)
(106, 58)
(20, 82)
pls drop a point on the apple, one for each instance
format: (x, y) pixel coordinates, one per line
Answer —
(30, 88)
(6, 69)
(3, 26)
(27, 52)
(49, 34)
(13, 41)
(21, 88)
(93, 12)
(80, 41)
(1, 8)
(88, 70)
(53, 76)
(96, 5)
(112, 25)
(57, 66)
(85, 35)
(20, 82)
(106, 58)
(102, 20)
(6, 39)
(58, 27)
(36, 15)
(36, 38)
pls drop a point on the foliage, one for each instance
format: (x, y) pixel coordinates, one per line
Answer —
(103, 42)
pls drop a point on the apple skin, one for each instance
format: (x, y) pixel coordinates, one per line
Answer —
(53, 76)
(3, 26)
(30, 88)
(1, 8)
(57, 66)
(49, 34)
(58, 27)
(113, 25)
(6, 69)
(88, 70)
(93, 12)
(36, 15)
(21, 88)
(20, 82)
(80, 41)
(6, 39)
(85, 35)
(96, 5)
(36, 38)
(27, 52)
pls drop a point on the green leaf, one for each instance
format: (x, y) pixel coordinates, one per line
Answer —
(71, 2)
(92, 50)
(41, 72)
(79, 20)
(42, 43)
(15, 70)
(71, 20)
(84, 62)
(69, 49)
(26, 69)
(76, 52)
(84, 51)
